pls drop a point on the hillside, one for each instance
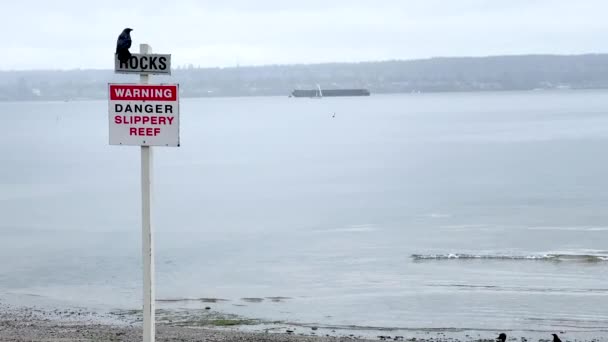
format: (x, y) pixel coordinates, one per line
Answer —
(496, 73)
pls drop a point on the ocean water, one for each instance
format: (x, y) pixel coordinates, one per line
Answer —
(425, 212)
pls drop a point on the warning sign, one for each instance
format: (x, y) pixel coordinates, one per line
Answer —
(144, 114)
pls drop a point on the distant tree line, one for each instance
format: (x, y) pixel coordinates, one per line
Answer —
(525, 72)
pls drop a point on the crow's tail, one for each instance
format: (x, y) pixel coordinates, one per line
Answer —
(124, 55)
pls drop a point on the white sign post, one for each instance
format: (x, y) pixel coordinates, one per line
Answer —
(147, 239)
(145, 115)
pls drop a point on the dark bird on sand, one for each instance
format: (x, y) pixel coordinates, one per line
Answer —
(502, 337)
(123, 44)
(555, 338)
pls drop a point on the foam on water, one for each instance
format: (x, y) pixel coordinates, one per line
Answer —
(539, 257)
(526, 289)
(572, 228)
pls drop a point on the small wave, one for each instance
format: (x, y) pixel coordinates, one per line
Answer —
(278, 299)
(252, 299)
(573, 228)
(437, 215)
(203, 300)
(357, 228)
(523, 289)
(539, 257)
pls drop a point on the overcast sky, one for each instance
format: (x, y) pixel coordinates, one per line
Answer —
(68, 34)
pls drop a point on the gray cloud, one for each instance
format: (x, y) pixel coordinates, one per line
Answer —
(76, 34)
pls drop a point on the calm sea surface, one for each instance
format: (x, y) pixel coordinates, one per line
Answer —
(483, 211)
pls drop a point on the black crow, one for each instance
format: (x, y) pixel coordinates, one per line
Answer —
(502, 337)
(555, 338)
(123, 44)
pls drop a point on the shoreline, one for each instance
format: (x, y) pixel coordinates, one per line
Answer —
(286, 95)
(67, 325)
(35, 324)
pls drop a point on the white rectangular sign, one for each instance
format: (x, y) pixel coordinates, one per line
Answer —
(144, 64)
(144, 114)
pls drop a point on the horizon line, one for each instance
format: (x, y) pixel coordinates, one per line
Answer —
(187, 66)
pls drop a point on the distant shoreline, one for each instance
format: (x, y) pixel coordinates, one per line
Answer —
(296, 100)
(446, 74)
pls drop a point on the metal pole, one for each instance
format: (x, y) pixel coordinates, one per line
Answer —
(146, 229)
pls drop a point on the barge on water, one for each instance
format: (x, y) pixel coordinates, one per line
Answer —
(329, 92)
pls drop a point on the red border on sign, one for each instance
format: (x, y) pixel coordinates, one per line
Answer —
(135, 92)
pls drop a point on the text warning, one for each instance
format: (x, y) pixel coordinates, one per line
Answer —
(144, 115)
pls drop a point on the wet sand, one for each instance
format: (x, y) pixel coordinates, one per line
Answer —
(35, 330)
(34, 324)
(27, 326)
